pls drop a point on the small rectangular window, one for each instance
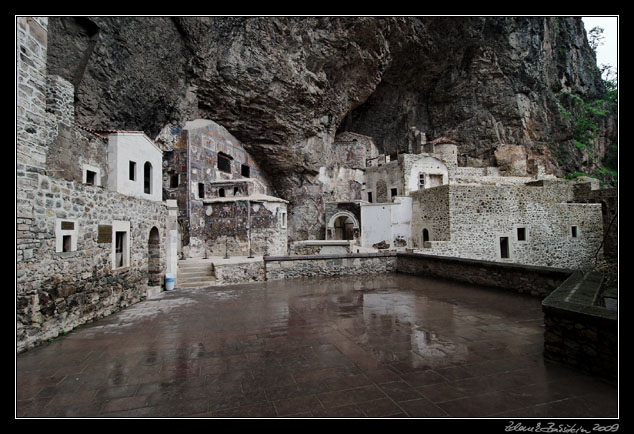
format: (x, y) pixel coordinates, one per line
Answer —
(224, 162)
(394, 192)
(65, 236)
(132, 171)
(283, 219)
(174, 180)
(370, 196)
(90, 177)
(504, 247)
(119, 248)
(67, 243)
(236, 191)
(246, 171)
(573, 231)
(120, 244)
(201, 190)
(521, 234)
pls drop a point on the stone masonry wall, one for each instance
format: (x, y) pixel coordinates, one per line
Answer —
(480, 215)
(58, 291)
(334, 265)
(536, 281)
(60, 288)
(578, 332)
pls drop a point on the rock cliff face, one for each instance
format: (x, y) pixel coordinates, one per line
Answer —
(285, 85)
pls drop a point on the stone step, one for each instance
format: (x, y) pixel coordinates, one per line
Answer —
(182, 278)
(195, 273)
(199, 284)
(195, 266)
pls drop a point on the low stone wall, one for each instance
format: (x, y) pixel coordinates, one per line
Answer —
(228, 273)
(578, 332)
(537, 281)
(289, 267)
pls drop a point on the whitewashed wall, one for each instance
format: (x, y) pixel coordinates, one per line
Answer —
(126, 147)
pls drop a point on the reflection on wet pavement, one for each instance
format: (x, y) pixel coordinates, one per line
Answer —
(392, 346)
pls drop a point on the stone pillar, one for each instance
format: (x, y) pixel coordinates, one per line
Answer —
(172, 237)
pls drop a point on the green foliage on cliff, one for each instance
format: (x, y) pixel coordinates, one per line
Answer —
(586, 119)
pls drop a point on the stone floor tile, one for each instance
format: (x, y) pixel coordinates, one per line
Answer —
(392, 346)
(298, 404)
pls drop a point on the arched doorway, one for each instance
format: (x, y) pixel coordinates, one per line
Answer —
(425, 236)
(344, 228)
(154, 257)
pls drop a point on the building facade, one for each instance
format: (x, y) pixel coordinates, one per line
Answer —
(224, 198)
(84, 248)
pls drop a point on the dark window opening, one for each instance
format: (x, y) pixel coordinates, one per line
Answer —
(521, 234)
(504, 247)
(174, 180)
(573, 231)
(221, 192)
(394, 192)
(370, 196)
(90, 177)
(246, 171)
(425, 235)
(132, 171)
(147, 178)
(201, 190)
(66, 243)
(224, 162)
(236, 191)
(119, 239)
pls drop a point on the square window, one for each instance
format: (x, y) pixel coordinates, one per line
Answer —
(224, 162)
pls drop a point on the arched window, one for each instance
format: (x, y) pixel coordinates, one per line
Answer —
(425, 235)
(147, 178)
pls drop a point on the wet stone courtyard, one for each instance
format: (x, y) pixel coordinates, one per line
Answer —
(388, 346)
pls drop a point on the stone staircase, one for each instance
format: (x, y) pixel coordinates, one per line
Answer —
(195, 273)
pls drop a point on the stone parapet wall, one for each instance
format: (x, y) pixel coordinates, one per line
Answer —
(231, 272)
(329, 265)
(536, 281)
(579, 333)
